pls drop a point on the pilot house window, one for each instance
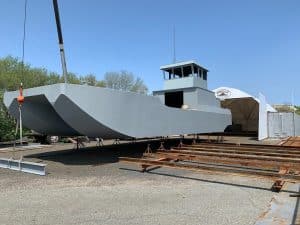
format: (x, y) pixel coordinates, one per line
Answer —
(204, 75)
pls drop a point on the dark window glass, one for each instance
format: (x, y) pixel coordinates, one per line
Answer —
(174, 99)
(204, 75)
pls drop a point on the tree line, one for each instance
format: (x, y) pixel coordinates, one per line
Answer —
(13, 72)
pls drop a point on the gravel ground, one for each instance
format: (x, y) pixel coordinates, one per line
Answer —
(92, 187)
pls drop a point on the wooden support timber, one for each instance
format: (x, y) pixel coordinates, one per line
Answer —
(279, 163)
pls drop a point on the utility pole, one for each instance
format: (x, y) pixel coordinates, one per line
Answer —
(60, 40)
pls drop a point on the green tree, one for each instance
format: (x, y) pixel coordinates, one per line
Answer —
(53, 78)
(125, 81)
(284, 108)
(12, 73)
(7, 124)
(89, 79)
(101, 83)
(72, 78)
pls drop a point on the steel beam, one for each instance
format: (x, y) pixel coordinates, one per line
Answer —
(240, 156)
(23, 166)
(240, 151)
(261, 146)
(214, 169)
(254, 148)
(228, 161)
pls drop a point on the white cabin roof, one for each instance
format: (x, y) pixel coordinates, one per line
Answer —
(183, 63)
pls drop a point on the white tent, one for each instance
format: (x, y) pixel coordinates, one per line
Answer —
(244, 107)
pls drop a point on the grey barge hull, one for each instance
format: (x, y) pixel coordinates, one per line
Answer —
(70, 110)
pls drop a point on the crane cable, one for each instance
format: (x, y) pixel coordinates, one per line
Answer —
(24, 38)
(20, 98)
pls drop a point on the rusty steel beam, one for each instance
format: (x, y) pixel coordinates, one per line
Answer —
(240, 156)
(261, 146)
(277, 149)
(236, 151)
(213, 168)
(264, 151)
(229, 161)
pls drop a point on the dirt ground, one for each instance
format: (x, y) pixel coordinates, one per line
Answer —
(90, 186)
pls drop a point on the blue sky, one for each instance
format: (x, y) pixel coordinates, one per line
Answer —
(250, 45)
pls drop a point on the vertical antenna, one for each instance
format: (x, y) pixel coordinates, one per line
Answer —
(60, 40)
(174, 45)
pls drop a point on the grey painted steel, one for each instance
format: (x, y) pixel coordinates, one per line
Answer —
(67, 109)
(185, 82)
(39, 115)
(196, 98)
(281, 124)
(193, 77)
(27, 167)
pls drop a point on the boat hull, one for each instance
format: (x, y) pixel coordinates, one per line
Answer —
(69, 110)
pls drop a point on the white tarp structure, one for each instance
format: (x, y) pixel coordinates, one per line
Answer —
(245, 109)
(263, 118)
(256, 115)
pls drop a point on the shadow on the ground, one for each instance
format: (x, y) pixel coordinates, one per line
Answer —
(96, 156)
(100, 155)
(204, 180)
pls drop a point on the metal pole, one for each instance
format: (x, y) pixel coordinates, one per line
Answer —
(60, 40)
(193, 70)
(20, 119)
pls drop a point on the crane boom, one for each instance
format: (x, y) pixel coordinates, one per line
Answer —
(60, 40)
